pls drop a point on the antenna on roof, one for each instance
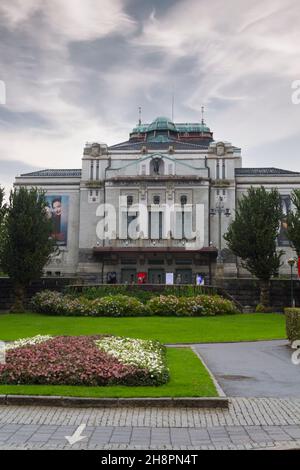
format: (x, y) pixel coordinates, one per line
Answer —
(140, 115)
(202, 112)
(173, 100)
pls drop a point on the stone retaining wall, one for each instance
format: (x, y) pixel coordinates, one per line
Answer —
(244, 291)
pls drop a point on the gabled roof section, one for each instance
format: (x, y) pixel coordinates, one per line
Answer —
(60, 173)
(164, 144)
(267, 171)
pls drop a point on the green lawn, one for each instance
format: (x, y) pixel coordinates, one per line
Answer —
(242, 327)
(189, 378)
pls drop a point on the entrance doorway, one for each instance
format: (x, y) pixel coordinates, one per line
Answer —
(156, 276)
(183, 276)
(128, 276)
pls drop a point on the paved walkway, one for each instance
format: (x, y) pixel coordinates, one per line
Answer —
(256, 369)
(247, 424)
(243, 370)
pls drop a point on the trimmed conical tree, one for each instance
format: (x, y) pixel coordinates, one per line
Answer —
(26, 244)
(252, 236)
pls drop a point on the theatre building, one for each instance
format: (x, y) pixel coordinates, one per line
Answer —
(153, 208)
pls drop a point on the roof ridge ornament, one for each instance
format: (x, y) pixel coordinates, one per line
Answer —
(202, 114)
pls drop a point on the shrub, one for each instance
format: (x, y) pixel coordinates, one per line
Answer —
(292, 319)
(137, 292)
(164, 305)
(215, 305)
(117, 306)
(55, 303)
(260, 308)
(93, 293)
(191, 306)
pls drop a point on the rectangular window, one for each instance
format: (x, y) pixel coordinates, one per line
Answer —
(156, 261)
(92, 171)
(218, 170)
(223, 169)
(97, 171)
(130, 218)
(155, 225)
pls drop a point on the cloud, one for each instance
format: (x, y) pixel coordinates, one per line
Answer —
(77, 71)
(67, 20)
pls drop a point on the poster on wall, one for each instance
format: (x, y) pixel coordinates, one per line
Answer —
(170, 279)
(58, 209)
(282, 235)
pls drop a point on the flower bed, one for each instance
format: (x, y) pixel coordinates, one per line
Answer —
(55, 303)
(84, 360)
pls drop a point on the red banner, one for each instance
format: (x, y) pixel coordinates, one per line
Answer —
(142, 278)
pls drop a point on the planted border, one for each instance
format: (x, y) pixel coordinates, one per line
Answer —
(55, 303)
(84, 360)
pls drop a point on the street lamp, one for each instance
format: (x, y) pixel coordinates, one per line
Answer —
(291, 263)
(219, 210)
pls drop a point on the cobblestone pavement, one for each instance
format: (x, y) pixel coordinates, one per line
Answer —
(247, 424)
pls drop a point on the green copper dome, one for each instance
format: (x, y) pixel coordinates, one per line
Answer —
(162, 124)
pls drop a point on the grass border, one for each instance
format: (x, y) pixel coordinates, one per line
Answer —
(188, 378)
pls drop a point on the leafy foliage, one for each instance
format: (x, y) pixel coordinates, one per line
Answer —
(96, 292)
(3, 209)
(252, 235)
(26, 246)
(3, 206)
(292, 318)
(55, 303)
(293, 221)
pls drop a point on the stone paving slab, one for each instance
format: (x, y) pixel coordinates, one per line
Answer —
(247, 424)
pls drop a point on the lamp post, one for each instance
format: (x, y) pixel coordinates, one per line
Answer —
(219, 210)
(292, 263)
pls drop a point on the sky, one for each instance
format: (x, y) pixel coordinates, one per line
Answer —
(77, 71)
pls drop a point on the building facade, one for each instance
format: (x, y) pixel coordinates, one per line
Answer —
(153, 209)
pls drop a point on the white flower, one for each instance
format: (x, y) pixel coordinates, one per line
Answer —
(27, 341)
(136, 352)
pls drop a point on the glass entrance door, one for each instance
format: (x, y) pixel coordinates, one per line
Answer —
(156, 276)
(183, 276)
(128, 276)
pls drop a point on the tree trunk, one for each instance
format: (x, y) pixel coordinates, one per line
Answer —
(264, 292)
(19, 294)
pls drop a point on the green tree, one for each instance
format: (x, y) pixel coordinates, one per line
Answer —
(293, 221)
(252, 236)
(26, 244)
(2, 206)
(2, 215)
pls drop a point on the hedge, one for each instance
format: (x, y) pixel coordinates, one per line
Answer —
(292, 317)
(55, 303)
(95, 292)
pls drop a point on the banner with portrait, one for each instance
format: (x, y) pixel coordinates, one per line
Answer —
(58, 211)
(286, 207)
